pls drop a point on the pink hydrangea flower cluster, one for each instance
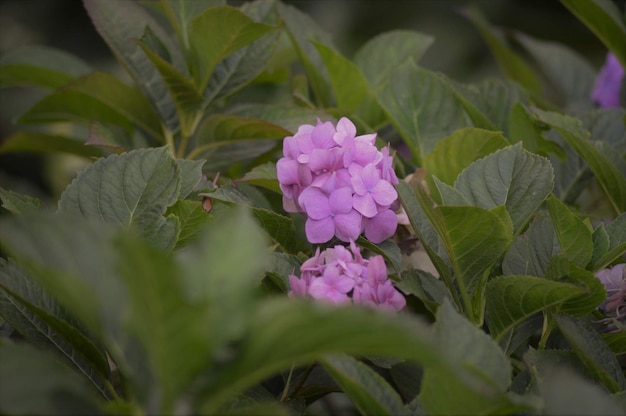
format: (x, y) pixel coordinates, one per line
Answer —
(340, 275)
(340, 181)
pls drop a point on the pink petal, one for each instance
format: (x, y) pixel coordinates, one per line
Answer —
(348, 226)
(381, 227)
(365, 204)
(370, 176)
(384, 193)
(340, 200)
(314, 203)
(322, 135)
(319, 231)
(345, 128)
(287, 171)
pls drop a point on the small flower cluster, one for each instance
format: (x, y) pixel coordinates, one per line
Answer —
(606, 90)
(614, 281)
(339, 275)
(340, 181)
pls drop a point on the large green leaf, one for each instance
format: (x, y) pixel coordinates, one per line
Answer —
(41, 66)
(223, 269)
(349, 84)
(37, 317)
(33, 141)
(466, 347)
(244, 65)
(454, 153)
(514, 298)
(531, 252)
(172, 330)
(71, 257)
(567, 393)
(384, 52)
(509, 62)
(35, 382)
(121, 21)
(132, 189)
(573, 233)
(369, 392)
(186, 97)
(474, 238)
(604, 19)
(569, 72)
(512, 177)
(522, 128)
(592, 351)
(286, 332)
(422, 106)
(107, 92)
(610, 179)
(182, 12)
(216, 33)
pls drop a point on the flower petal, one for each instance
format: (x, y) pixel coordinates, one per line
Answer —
(314, 203)
(340, 200)
(319, 231)
(384, 193)
(348, 226)
(381, 227)
(365, 204)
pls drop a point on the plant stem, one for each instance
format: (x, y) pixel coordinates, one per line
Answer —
(548, 326)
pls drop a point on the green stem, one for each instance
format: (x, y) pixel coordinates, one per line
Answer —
(548, 326)
(169, 140)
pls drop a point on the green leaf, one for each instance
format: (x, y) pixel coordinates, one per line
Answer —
(381, 54)
(302, 31)
(106, 92)
(35, 382)
(388, 249)
(349, 84)
(306, 331)
(509, 62)
(19, 204)
(567, 393)
(191, 217)
(223, 270)
(531, 252)
(605, 20)
(37, 317)
(454, 153)
(287, 117)
(216, 33)
(182, 12)
(514, 298)
(573, 234)
(33, 141)
(132, 189)
(523, 129)
(186, 97)
(171, 330)
(219, 130)
(468, 348)
(610, 179)
(569, 72)
(562, 269)
(264, 176)
(422, 106)
(41, 66)
(592, 351)
(279, 227)
(426, 287)
(244, 65)
(72, 258)
(190, 175)
(474, 239)
(121, 21)
(512, 177)
(616, 234)
(463, 343)
(369, 392)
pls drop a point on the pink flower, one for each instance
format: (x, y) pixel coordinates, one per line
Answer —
(340, 181)
(340, 275)
(614, 281)
(330, 215)
(606, 90)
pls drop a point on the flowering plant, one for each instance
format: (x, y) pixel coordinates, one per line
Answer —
(231, 244)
